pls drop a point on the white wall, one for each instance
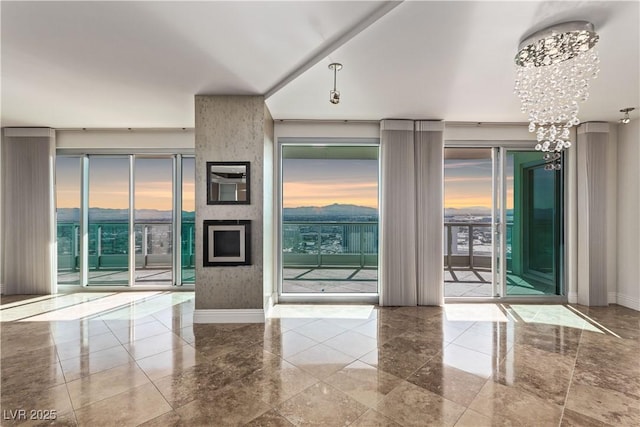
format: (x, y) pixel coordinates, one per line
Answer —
(487, 132)
(175, 140)
(628, 208)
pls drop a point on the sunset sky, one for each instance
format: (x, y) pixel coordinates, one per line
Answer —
(467, 183)
(317, 182)
(307, 182)
(109, 183)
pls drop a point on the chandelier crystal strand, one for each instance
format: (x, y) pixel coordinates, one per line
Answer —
(553, 75)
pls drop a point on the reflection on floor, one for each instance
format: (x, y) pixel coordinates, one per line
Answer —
(330, 280)
(136, 359)
(470, 282)
(146, 276)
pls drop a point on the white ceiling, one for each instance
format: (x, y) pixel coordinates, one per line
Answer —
(139, 64)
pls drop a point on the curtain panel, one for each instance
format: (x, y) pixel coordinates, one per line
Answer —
(592, 171)
(397, 214)
(429, 166)
(411, 217)
(28, 225)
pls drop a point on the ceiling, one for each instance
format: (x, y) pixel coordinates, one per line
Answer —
(139, 64)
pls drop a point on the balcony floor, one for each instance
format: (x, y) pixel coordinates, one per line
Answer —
(106, 277)
(330, 280)
(470, 283)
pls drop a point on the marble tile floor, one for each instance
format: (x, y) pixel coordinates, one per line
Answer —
(136, 358)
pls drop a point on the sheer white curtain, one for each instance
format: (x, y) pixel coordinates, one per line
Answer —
(28, 226)
(411, 213)
(397, 214)
(593, 139)
(429, 145)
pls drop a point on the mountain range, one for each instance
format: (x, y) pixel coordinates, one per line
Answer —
(114, 215)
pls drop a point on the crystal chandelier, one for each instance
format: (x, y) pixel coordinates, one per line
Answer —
(554, 66)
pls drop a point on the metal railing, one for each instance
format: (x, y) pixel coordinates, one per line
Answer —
(109, 244)
(305, 244)
(469, 244)
(330, 244)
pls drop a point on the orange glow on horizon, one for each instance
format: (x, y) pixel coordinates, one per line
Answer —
(298, 194)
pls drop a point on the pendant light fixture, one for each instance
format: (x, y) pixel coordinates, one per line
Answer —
(626, 119)
(334, 95)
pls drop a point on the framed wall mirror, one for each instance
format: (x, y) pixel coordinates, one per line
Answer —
(228, 183)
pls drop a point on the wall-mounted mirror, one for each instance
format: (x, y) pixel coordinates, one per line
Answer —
(228, 183)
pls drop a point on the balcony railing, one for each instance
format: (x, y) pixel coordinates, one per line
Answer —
(305, 244)
(330, 244)
(109, 245)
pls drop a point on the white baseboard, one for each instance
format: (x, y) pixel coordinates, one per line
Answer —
(572, 297)
(612, 298)
(249, 315)
(629, 302)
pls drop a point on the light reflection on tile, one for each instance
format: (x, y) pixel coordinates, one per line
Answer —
(170, 362)
(320, 360)
(102, 385)
(145, 362)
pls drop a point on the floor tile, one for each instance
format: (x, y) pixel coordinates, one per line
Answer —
(146, 347)
(168, 419)
(130, 408)
(90, 344)
(137, 332)
(50, 398)
(575, 419)
(230, 406)
(524, 408)
(289, 344)
(373, 418)
(604, 405)
(277, 384)
(410, 405)
(170, 362)
(447, 381)
(320, 330)
(364, 383)
(320, 361)
(352, 343)
(96, 387)
(270, 419)
(321, 405)
(94, 362)
(544, 374)
(28, 378)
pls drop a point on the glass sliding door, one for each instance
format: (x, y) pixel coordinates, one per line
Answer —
(188, 210)
(153, 215)
(534, 226)
(469, 176)
(68, 179)
(329, 219)
(108, 228)
(503, 223)
(125, 219)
